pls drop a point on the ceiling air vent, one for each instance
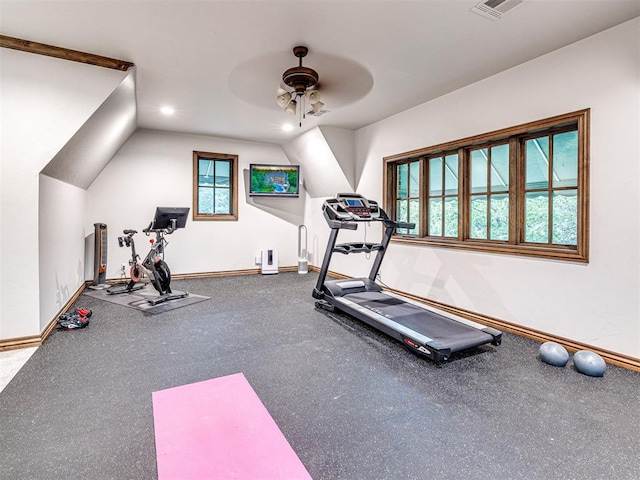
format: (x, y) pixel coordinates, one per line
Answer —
(319, 113)
(495, 9)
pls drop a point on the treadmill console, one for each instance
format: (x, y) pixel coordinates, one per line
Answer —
(351, 207)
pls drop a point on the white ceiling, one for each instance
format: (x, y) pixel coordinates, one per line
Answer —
(219, 63)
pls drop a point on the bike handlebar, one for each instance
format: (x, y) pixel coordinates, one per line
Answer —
(168, 231)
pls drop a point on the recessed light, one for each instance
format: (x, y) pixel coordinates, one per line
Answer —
(287, 127)
(167, 110)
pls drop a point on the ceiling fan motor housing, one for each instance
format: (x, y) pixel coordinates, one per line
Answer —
(300, 78)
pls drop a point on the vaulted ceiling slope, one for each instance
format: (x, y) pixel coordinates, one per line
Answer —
(93, 146)
(219, 63)
(326, 156)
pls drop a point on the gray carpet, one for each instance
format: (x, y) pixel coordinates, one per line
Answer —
(352, 403)
(138, 299)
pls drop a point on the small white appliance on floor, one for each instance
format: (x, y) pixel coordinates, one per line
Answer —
(269, 262)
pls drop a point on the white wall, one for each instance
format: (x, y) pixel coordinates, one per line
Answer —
(596, 304)
(61, 249)
(44, 101)
(154, 169)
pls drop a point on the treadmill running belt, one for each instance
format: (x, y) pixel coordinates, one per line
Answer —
(446, 332)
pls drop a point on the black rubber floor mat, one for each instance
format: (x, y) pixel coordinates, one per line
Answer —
(140, 299)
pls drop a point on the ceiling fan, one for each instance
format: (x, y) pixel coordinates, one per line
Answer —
(302, 80)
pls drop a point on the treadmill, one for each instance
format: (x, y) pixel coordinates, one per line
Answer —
(420, 328)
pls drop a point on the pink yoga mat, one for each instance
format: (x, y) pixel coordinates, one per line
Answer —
(217, 430)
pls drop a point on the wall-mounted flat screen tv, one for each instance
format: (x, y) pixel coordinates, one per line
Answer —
(274, 180)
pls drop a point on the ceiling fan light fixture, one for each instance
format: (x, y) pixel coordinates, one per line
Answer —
(316, 107)
(291, 108)
(283, 100)
(313, 96)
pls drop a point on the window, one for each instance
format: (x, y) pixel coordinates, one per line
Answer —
(408, 198)
(215, 186)
(521, 190)
(489, 192)
(442, 196)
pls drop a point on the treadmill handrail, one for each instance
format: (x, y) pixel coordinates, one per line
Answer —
(407, 225)
(342, 224)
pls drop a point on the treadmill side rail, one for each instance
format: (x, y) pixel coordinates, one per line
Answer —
(437, 355)
(338, 288)
(496, 334)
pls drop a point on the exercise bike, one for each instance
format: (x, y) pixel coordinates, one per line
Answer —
(166, 221)
(136, 272)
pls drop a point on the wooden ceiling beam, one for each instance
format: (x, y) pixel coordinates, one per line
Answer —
(64, 53)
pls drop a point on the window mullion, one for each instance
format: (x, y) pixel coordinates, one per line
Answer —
(442, 195)
(464, 159)
(423, 191)
(550, 194)
(515, 191)
(213, 186)
(488, 193)
(391, 190)
(427, 191)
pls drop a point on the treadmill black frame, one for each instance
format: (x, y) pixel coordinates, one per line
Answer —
(328, 292)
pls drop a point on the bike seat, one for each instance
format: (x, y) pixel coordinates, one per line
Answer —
(129, 232)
